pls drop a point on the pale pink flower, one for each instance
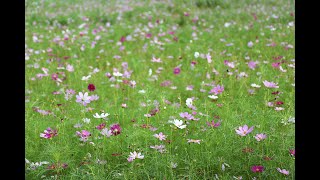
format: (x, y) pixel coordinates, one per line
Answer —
(135, 155)
(283, 171)
(194, 141)
(160, 136)
(83, 98)
(243, 131)
(270, 84)
(260, 137)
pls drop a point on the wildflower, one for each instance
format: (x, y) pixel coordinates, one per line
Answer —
(208, 58)
(101, 126)
(212, 124)
(213, 97)
(84, 135)
(94, 97)
(86, 120)
(176, 70)
(217, 90)
(189, 102)
(91, 87)
(117, 74)
(106, 132)
(156, 60)
(278, 108)
(160, 148)
(243, 131)
(186, 115)
(124, 105)
(257, 168)
(48, 133)
(83, 98)
(283, 171)
(78, 125)
(194, 141)
(173, 165)
(115, 129)
(270, 84)
(255, 86)
(196, 54)
(260, 137)
(160, 136)
(250, 44)
(252, 65)
(135, 155)
(70, 68)
(179, 123)
(103, 115)
(86, 78)
(292, 152)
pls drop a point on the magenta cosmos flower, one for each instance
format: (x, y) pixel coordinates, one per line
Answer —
(243, 131)
(115, 129)
(252, 65)
(176, 70)
(257, 168)
(270, 84)
(260, 137)
(48, 133)
(91, 87)
(217, 90)
(84, 135)
(292, 152)
(213, 124)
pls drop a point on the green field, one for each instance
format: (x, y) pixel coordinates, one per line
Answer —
(146, 66)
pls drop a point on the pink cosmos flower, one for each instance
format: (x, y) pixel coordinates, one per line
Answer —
(101, 126)
(115, 129)
(270, 84)
(84, 135)
(252, 65)
(283, 171)
(158, 60)
(260, 137)
(243, 131)
(208, 58)
(83, 98)
(48, 133)
(217, 90)
(70, 68)
(160, 148)
(214, 125)
(176, 70)
(160, 136)
(257, 168)
(292, 152)
(106, 132)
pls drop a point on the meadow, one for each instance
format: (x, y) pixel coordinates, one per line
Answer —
(166, 90)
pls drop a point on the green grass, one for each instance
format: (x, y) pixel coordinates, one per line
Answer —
(51, 19)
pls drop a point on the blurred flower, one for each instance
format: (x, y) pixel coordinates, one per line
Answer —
(283, 171)
(176, 70)
(212, 124)
(179, 123)
(103, 115)
(48, 133)
(84, 135)
(83, 98)
(160, 136)
(91, 87)
(135, 155)
(260, 137)
(270, 84)
(243, 131)
(257, 168)
(115, 129)
(194, 141)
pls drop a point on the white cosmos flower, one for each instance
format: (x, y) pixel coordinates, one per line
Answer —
(189, 102)
(179, 123)
(196, 54)
(86, 120)
(85, 78)
(117, 74)
(255, 86)
(103, 115)
(213, 97)
(135, 155)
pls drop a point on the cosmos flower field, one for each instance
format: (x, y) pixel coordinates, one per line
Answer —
(160, 89)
